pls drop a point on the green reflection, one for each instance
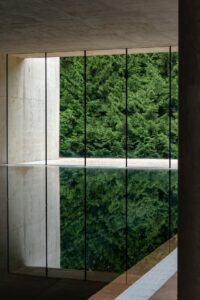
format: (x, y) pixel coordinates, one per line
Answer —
(148, 216)
(106, 220)
(72, 218)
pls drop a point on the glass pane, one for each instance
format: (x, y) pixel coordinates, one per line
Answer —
(174, 150)
(148, 107)
(174, 206)
(105, 224)
(27, 222)
(106, 110)
(148, 218)
(72, 110)
(66, 238)
(26, 105)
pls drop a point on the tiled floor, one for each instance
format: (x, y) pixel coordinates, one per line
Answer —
(168, 291)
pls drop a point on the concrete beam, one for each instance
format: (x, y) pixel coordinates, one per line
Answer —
(55, 26)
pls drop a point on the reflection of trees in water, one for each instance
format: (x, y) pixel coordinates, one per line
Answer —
(147, 216)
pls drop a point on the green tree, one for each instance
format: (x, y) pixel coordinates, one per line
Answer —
(148, 106)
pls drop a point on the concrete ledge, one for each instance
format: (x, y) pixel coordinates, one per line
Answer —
(110, 163)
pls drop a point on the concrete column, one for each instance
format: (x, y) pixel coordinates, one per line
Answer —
(53, 107)
(189, 152)
(26, 105)
(26, 142)
(26, 109)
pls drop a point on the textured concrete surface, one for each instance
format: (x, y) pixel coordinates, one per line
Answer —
(189, 152)
(31, 26)
(26, 109)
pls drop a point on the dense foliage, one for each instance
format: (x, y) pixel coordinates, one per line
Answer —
(148, 106)
(148, 137)
(148, 216)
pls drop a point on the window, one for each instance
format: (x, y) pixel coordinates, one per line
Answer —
(92, 160)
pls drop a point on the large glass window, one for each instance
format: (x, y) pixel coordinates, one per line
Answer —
(96, 139)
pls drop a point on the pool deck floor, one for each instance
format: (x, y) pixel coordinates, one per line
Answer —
(168, 291)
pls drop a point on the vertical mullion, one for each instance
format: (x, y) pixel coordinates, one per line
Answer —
(85, 159)
(45, 109)
(126, 107)
(46, 187)
(170, 102)
(7, 159)
(126, 169)
(85, 108)
(170, 128)
(7, 179)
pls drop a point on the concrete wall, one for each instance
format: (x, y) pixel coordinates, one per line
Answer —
(26, 217)
(26, 142)
(26, 109)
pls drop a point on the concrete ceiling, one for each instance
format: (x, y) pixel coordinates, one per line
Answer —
(70, 25)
